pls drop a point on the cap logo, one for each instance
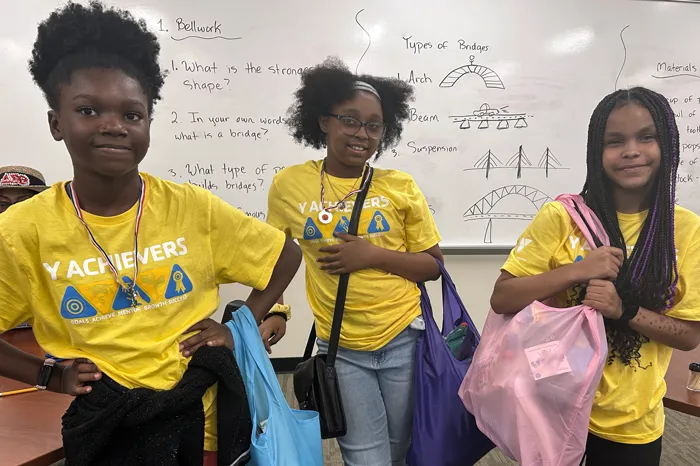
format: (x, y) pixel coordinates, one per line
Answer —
(14, 179)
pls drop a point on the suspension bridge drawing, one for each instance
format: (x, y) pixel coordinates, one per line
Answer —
(489, 76)
(518, 162)
(485, 115)
(486, 207)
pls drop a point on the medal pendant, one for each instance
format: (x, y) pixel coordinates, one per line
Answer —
(130, 291)
(131, 296)
(325, 217)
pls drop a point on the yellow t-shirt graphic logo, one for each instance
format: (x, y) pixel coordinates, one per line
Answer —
(179, 283)
(75, 306)
(138, 298)
(378, 224)
(179, 287)
(122, 300)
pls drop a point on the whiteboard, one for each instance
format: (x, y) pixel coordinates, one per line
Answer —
(504, 92)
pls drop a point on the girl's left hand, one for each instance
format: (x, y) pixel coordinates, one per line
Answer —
(210, 333)
(351, 255)
(272, 330)
(602, 296)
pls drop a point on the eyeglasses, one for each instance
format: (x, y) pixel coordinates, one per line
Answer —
(351, 126)
(4, 205)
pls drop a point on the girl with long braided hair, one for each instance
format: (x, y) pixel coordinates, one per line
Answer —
(643, 284)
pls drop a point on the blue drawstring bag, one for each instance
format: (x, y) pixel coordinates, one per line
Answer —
(281, 436)
(444, 432)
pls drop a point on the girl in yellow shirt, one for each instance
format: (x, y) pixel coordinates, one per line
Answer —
(118, 265)
(645, 284)
(352, 118)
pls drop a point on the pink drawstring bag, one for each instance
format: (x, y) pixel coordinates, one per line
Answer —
(534, 375)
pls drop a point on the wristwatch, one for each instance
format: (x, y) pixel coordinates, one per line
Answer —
(45, 374)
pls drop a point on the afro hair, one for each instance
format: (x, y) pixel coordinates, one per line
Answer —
(78, 37)
(330, 83)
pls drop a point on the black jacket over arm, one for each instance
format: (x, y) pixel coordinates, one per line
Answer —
(116, 426)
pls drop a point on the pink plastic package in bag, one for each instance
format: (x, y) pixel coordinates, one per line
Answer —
(534, 375)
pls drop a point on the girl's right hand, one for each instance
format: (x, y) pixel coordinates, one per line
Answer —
(601, 264)
(75, 377)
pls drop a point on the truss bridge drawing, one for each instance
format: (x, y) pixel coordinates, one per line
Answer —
(486, 207)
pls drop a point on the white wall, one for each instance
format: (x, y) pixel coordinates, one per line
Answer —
(474, 276)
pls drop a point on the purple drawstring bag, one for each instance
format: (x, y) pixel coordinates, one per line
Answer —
(444, 432)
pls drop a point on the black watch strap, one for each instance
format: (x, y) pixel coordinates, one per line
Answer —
(45, 374)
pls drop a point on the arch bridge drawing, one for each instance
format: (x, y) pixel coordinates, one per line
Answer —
(490, 78)
(484, 207)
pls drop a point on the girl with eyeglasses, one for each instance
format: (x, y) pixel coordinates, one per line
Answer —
(354, 118)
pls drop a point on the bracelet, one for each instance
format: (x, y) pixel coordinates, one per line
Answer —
(629, 312)
(271, 314)
(284, 310)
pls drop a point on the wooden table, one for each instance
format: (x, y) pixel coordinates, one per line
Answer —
(678, 397)
(30, 423)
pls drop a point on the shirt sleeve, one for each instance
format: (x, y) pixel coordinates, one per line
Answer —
(276, 208)
(244, 249)
(687, 300)
(534, 251)
(15, 306)
(420, 227)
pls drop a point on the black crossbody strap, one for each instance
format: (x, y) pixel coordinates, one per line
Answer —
(342, 282)
(310, 343)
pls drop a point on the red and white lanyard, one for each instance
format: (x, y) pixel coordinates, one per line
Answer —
(130, 289)
(325, 216)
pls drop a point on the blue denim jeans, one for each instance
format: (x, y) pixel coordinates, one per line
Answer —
(377, 392)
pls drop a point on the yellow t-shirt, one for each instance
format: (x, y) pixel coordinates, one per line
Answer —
(395, 216)
(628, 403)
(190, 242)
